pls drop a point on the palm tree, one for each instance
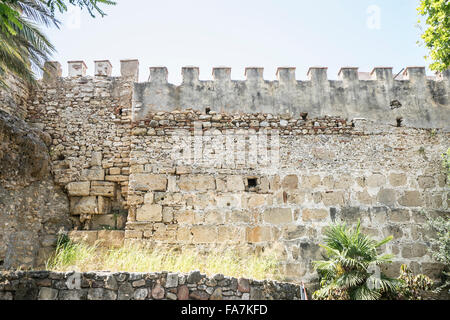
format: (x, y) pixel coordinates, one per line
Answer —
(23, 46)
(352, 269)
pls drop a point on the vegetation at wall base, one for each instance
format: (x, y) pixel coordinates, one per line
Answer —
(347, 274)
(352, 271)
(71, 256)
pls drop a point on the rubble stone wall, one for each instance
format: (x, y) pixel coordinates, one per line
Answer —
(44, 285)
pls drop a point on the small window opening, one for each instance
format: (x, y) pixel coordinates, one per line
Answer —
(399, 122)
(208, 110)
(252, 182)
(304, 115)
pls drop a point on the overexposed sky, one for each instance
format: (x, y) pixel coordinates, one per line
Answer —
(265, 33)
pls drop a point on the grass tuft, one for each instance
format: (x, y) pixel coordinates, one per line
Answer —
(70, 256)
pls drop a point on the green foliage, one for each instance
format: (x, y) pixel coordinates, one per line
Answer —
(441, 244)
(412, 287)
(446, 164)
(23, 46)
(92, 6)
(437, 35)
(70, 256)
(352, 269)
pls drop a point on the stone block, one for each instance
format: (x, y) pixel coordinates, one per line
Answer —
(278, 216)
(107, 221)
(292, 232)
(172, 280)
(184, 217)
(235, 183)
(399, 215)
(148, 182)
(78, 189)
(94, 173)
(96, 159)
(426, 182)
(256, 200)
(397, 179)
(379, 214)
(290, 182)
(314, 214)
(229, 201)
(196, 183)
(214, 217)
(116, 178)
(258, 234)
(415, 250)
(376, 180)
(411, 199)
(114, 171)
(310, 182)
(231, 234)
(149, 212)
(104, 205)
(48, 294)
(333, 198)
(135, 199)
(433, 270)
(365, 198)
(149, 198)
(183, 293)
(387, 197)
(111, 238)
(103, 188)
(393, 230)
(87, 237)
(237, 216)
(83, 205)
(133, 234)
(204, 234)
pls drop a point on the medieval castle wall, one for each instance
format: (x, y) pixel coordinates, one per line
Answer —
(253, 164)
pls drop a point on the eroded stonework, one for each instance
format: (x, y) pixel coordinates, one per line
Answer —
(132, 171)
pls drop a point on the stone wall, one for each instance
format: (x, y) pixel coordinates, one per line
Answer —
(13, 99)
(44, 285)
(328, 170)
(421, 102)
(32, 207)
(88, 120)
(251, 175)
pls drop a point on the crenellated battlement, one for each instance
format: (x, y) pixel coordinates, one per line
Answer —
(419, 100)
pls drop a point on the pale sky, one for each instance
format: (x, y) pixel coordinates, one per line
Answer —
(237, 34)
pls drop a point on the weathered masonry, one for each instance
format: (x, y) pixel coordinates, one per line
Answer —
(45, 285)
(255, 164)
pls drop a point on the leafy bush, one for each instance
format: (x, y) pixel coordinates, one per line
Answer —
(441, 245)
(352, 271)
(412, 287)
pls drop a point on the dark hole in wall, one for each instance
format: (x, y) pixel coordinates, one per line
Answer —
(304, 115)
(208, 110)
(252, 182)
(399, 121)
(61, 157)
